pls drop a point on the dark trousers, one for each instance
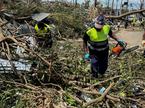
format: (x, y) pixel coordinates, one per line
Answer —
(44, 42)
(99, 61)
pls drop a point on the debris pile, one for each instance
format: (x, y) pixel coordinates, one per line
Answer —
(59, 78)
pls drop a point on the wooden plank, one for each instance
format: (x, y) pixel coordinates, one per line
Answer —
(1, 35)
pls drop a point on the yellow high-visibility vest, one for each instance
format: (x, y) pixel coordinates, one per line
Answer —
(98, 36)
(42, 32)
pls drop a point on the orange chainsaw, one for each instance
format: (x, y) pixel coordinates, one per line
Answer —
(121, 50)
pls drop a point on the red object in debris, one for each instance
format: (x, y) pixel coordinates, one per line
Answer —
(117, 50)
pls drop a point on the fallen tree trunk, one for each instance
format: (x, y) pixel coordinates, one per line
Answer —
(126, 14)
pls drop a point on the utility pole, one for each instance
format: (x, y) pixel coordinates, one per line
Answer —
(116, 7)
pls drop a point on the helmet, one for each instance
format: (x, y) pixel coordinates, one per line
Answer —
(99, 22)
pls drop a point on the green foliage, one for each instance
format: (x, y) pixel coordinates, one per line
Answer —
(70, 100)
(11, 98)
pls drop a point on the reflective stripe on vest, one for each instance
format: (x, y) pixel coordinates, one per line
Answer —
(96, 36)
(98, 46)
(43, 31)
(98, 49)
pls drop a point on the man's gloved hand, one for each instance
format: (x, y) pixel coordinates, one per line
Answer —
(86, 56)
(121, 42)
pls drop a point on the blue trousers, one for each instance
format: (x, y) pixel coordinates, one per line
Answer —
(99, 61)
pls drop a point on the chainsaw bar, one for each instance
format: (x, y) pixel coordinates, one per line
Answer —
(128, 50)
(125, 51)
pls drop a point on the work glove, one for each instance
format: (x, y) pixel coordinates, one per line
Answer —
(122, 43)
(86, 56)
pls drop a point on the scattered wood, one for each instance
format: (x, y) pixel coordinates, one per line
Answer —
(97, 100)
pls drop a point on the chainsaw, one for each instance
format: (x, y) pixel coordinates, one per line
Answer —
(119, 50)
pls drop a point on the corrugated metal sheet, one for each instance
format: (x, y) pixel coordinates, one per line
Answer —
(39, 16)
(20, 65)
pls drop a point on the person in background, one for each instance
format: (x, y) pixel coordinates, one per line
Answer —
(133, 22)
(126, 23)
(44, 30)
(95, 44)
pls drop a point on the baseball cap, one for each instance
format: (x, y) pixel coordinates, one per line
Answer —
(99, 21)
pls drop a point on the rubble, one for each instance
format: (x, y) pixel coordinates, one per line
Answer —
(59, 78)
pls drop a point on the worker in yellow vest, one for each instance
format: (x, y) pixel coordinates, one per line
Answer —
(133, 21)
(95, 43)
(44, 37)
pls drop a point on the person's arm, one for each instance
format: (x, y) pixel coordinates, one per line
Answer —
(113, 36)
(85, 40)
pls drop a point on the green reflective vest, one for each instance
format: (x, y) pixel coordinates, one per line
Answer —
(42, 32)
(98, 36)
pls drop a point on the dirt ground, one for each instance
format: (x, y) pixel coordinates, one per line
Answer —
(132, 37)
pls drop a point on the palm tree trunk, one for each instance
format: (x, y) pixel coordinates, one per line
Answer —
(95, 3)
(141, 4)
(121, 7)
(112, 8)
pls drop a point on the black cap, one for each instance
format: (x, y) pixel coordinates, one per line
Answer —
(100, 20)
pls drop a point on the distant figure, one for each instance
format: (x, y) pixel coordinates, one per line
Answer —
(133, 22)
(118, 25)
(126, 23)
